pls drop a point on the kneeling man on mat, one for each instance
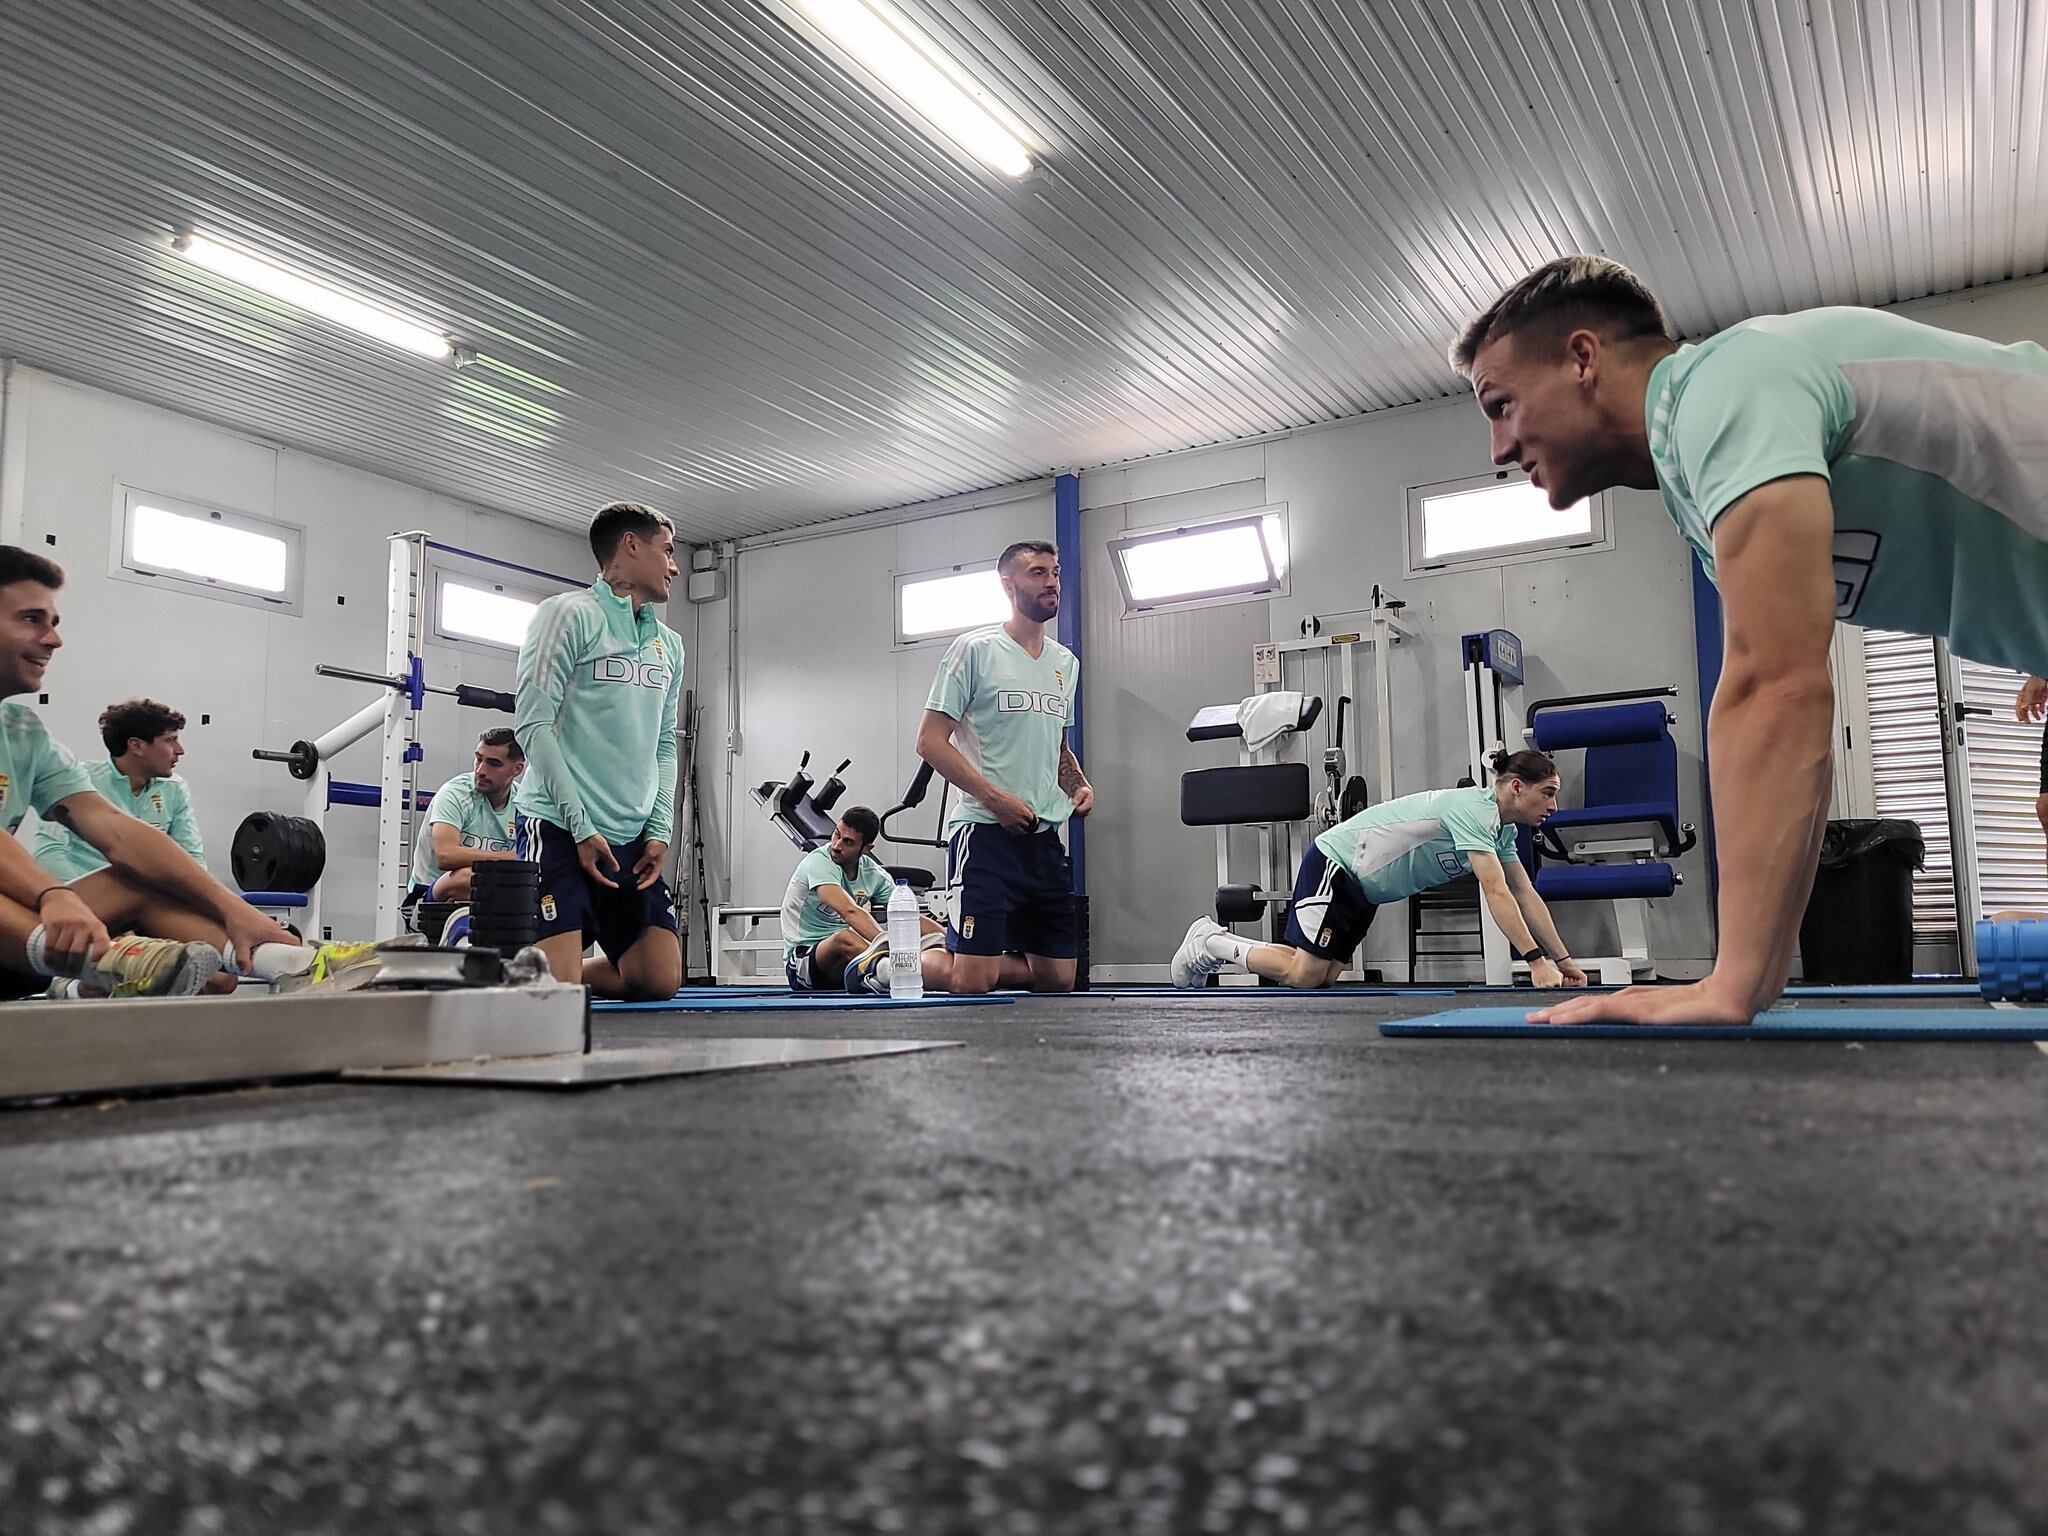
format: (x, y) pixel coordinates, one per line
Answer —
(830, 938)
(1840, 464)
(1391, 852)
(150, 922)
(600, 677)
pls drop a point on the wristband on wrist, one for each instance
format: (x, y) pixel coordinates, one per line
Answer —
(37, 905)
(1530, 956)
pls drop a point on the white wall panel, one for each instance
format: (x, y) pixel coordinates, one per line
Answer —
(244, 677)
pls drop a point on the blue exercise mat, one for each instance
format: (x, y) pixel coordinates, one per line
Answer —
(1780, 1024)
(711, 1001)
(1295, 994)
(1891, 989)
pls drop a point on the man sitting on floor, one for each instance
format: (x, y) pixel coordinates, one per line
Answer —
(138, 775)
(469, 821)
(177, 925)
(830, 938)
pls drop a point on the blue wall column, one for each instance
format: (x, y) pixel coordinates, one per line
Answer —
(1066, 537)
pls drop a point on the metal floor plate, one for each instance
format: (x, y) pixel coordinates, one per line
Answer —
(640, 1063)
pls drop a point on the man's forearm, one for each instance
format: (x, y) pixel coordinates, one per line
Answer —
(1768, 744)
(462, 856)
(136, 848)
(1507, 915)
(22, 879)
(1072, 779)
(951, 764)
(544, 757)
(1537, 915)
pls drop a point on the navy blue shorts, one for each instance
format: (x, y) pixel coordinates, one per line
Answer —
(1330, 910)
(1011, 893)
(570, 902)
(796, 970)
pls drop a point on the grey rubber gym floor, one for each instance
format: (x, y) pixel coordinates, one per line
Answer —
(1115, 1267)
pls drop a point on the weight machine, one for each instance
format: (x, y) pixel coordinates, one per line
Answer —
(397, 795)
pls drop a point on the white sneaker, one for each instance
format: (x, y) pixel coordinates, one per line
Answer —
(1193, 964)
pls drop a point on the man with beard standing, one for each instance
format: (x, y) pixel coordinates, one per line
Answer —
(995, 728)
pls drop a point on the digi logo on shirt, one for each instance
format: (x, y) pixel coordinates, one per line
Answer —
(1019, 701)
(625, 669)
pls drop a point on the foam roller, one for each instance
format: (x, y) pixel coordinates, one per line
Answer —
(2012, 961)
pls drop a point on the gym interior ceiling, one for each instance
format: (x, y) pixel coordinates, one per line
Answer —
(704, 265)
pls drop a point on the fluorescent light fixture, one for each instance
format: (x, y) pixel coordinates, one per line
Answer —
(1500, 516)
(943, 605)
(322, 299)
(479, 615)
(206, 549)
(912, 66)
(1236, 557)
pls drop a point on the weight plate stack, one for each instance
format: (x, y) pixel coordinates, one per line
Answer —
(275, 852)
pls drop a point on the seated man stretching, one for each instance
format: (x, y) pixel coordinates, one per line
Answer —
(138, 776)
(1391, 852)
(469, 821)
(830, 937)
(177, 925)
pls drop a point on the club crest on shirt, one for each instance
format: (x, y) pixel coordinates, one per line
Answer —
(156, 798)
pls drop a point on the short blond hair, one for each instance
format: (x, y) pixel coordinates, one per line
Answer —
(1568, 294)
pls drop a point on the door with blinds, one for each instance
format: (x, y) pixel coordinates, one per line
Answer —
(1997, 772)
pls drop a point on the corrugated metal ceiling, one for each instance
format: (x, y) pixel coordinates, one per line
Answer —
(706, 267)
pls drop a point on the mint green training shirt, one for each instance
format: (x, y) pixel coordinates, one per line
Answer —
(163, 803)
(598, 689)
(469, 811)
(1935, 446)
(1013, 713)
(35, 769)
(1408, 845)
(806, 919)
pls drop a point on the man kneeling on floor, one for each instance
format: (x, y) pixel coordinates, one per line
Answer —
(1391, 852)
(177, 925)
(830, 938)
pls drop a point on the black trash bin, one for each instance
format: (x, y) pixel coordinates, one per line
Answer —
(1859, 921)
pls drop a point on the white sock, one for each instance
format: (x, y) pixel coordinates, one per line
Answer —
(87, 972)
(271, 961)
(1228, 947)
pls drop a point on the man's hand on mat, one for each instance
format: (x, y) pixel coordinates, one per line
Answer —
(1699, 1002)
(647, 868)
(71, 933)
(595, 855)
(1568, 968)
(1544, 974)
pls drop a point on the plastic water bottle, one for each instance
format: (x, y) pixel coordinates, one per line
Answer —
(906, 972)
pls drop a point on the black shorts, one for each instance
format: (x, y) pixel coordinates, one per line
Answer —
(1011, 893)
(1330, 910)
(797, 971)
(16, 985)
(571, 902)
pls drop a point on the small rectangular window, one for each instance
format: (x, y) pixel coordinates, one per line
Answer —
(472, 608)
(1227, 559)
(1493, 519)
(240, 558)
(933, 605)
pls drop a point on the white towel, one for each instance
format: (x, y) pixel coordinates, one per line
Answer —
(1266, 717)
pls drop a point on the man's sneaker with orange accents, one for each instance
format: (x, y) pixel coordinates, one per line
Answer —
(134, 966)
